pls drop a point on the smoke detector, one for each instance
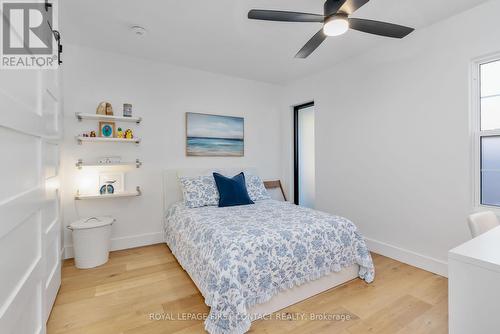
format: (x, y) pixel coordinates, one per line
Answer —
(138, 30)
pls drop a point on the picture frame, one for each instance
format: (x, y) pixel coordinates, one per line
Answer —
(127, 110)
(209, 135)
(117, 179)
(107, 129)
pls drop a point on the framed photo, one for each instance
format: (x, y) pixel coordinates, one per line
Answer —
(127, 110)
(116, 179)
(107, 129)
(214, 135)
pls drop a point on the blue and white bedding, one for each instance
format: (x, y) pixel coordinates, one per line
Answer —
(244, 255)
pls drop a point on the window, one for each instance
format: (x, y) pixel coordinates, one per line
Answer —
(486, 101)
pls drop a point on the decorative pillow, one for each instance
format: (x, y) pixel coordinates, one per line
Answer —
(199, 191)
(256, 189)
(232, 191)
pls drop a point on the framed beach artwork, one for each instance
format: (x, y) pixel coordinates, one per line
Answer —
(214, 135)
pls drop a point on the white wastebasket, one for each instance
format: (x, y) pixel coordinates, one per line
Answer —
(91, 241)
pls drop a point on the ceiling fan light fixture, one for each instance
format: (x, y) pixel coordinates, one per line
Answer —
(336, 21)
(336, 25)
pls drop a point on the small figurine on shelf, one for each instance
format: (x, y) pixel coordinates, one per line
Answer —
(85, 134)
(109, 160)
(120, 134)
(129, 134)
(107, 189)
(93, 134)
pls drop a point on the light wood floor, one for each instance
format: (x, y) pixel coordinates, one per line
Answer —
(119, 297)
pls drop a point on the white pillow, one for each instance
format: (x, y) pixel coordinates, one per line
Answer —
(199, 191)
(255, 187)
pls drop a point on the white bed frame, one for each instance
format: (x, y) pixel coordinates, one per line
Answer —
(172, 194)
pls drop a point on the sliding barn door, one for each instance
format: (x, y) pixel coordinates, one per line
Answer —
(30, 221)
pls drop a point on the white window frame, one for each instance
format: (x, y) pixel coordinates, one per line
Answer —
(477, 134)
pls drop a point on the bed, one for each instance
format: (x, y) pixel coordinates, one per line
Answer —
(250, 261)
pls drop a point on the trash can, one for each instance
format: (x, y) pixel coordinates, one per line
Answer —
(91, 241)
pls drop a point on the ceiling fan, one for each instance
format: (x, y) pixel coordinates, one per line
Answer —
(336, 21)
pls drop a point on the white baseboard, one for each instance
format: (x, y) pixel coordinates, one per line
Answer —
(125, 242)
(409, 257)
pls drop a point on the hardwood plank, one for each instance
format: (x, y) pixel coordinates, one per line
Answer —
(433, 321)
(125, 294)
(432, 290)
(392, 317)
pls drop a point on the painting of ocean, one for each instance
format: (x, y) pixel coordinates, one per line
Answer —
(214, 135)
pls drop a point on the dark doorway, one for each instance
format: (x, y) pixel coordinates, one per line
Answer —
(304, 159)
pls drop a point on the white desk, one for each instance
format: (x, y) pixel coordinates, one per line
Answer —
(474, 285)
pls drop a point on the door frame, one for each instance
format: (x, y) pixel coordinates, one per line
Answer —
(296, 110)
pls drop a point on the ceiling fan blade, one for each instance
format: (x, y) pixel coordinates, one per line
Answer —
(311, 45)
(379, 28)
(350, 6)
(332, 6)
(277, 15)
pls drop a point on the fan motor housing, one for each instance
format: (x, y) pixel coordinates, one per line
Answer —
(336, 16)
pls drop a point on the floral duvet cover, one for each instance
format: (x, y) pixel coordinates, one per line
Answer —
(244, 255)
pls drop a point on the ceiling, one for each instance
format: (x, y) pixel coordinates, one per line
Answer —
(216, 36)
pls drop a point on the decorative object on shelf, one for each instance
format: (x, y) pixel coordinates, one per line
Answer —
(107, 129)
(92, 134)
(214, 135)
(101, 109)
(120, 134)
(85, 134)
(129, 134)
(109, 109)
(116, 179)
(107, 189)
(127, 110)
(109, 160)
(104, 108)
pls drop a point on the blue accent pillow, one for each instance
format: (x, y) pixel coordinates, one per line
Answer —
(232, 191)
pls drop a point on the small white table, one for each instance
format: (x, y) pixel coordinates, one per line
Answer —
(474, 285)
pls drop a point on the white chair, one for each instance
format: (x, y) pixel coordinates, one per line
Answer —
(482, 222)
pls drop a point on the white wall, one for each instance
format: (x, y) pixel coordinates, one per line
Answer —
(161, 94)
(393, 140)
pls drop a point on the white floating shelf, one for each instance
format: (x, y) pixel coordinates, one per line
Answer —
(137, 163)
(81, 116)
(81, 139)
(135, 193)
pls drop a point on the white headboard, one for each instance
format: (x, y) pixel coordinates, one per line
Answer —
(172, 191)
